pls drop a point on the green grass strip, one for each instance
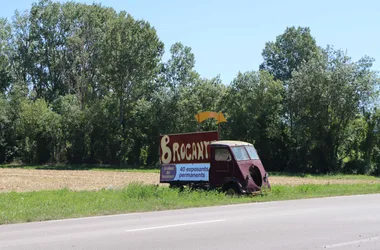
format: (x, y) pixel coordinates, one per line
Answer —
(48, 205)
(327, 176)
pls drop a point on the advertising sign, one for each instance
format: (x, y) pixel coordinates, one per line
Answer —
(186, 157)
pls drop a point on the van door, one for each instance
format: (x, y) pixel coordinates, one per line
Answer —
(221, 165)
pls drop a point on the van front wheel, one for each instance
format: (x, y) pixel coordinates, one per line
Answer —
(231, 189)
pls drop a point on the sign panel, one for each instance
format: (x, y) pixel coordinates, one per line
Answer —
(185, 172)
(186, 157)
(186, 148)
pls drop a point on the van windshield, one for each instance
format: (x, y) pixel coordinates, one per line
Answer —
(252, 152)
(240, 153)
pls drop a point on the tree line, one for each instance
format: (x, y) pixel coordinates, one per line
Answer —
(83, 84)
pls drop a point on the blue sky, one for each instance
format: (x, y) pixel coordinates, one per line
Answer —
(229, 36)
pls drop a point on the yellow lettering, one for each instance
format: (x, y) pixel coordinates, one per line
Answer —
(175, 151)
(206, 144)
(188, 156)
(194, 155)
(200, 150)
(183, 151)
(166, 152)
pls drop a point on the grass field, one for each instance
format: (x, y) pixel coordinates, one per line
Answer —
(34, 193)
(59, 204)
(328, 176)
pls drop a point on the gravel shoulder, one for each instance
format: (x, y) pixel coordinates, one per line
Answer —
(21, 180)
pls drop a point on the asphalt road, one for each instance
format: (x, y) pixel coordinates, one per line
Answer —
(351, 222)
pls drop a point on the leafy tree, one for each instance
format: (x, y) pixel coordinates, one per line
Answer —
(10, 108)
(103, 133)
(178, 80)
(326, 95)
(47, 41)
(291, 49)
(371, 142)
(169, 108)
(21, 59)
(253, 105)
(74, 128)
(4, 124)
(209, 96)
(179, 70)
(86, 27)
(5, 55)
(38, 128)
(130, 56)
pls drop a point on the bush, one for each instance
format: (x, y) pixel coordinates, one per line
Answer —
(38, 128)
(354, 167)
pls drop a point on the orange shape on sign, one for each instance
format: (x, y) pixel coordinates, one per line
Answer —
(206, 115)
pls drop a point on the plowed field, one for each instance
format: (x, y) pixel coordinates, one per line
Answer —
(20, 180)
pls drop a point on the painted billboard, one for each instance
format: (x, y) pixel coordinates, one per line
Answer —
(186, 157)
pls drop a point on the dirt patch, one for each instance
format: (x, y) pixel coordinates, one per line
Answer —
(21, 180)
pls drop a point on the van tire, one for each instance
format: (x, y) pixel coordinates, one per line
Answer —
(231, 188)
(176, 186)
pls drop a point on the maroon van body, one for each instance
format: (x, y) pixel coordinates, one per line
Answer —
(237, 168)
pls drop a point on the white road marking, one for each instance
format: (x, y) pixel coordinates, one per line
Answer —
(352, 242)
(175, 225)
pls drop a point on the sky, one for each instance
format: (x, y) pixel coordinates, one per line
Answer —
(228, 36)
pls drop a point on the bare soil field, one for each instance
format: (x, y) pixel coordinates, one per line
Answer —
(21, 180)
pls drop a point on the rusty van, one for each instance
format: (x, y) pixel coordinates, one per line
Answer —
(201, 159)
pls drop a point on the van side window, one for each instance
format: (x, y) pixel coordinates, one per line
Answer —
(221, 154)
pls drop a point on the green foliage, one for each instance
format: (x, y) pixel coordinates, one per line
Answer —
(84, 84)
(325, 97)
(72, 146)
(253, 106)
(356, 166)
(294, 47)
(39, 130)
(5, 55)
(5, 129)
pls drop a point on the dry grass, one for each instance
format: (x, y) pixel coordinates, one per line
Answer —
(20, 180)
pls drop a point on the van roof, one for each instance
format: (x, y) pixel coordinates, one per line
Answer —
(231, 143)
